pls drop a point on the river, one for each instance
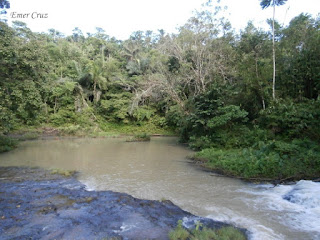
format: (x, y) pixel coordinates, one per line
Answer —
(159, 169)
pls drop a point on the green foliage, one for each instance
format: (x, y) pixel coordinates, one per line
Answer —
(132, 128)
(230, 233)
(7, 143)
(25, 101)
(63, 116)
(293, 119)
(267, 160)
(8, 120)
(203, 233)
(115, 107)
(174, 116)
(210, 113)
(70, 129)
(239, 136)
(226, 116)
(143, 137)
(212, 121)
(62, 172)
(299, 63)
(179, 233)
(159, 121)
(28, 136)
(143, 114)
(206, 84)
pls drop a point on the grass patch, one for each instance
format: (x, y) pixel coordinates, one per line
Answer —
(73, 130)
(7, 143)
(101, 134)
(143, 137)
(131, 128)
(179, 233)
(62, 172)
(203, 233)
(230, 233)
(109, 129)
(28, 136)
(272, 160)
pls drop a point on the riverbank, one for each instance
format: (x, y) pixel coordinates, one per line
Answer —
(42, 204)
(10, 140)
(275, 161)
(107, 129)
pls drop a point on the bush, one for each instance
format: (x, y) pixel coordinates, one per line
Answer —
(174, 116)
(63, 116)
(203, 233)
(267, 160)
(207, 115)
(143, 114)
(7, 144)
(179, 233)
(294, 120)
(70, 129)
(115, 107)
(29, 136)
(62, 172)
(230, 233)
(238, 136)
(143, 137)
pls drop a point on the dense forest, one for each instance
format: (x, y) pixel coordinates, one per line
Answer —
(208, 84)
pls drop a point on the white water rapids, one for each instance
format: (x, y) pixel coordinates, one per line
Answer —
(159, 169)
(295, 206)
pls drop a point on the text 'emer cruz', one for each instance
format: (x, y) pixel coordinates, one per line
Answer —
(33, 15)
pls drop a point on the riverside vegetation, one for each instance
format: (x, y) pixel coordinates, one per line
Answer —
(200, 232)
(209, 85)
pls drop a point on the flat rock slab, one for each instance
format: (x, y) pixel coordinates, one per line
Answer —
(35, 204)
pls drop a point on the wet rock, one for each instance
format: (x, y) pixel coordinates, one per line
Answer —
(36, 204)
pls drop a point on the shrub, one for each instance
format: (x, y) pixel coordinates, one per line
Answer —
(70, 129)
(238, 136)
(65, 173)
(286, 117)
(7, 143)
(272, 160)
(28, 136)
(203, 233)
(230, 233)
(179, 233)
(63, 116)
(143, 137)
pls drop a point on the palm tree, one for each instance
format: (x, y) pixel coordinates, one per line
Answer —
(96, 73)
(265, 4)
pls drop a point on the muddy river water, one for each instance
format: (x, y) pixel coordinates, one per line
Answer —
(159, 169)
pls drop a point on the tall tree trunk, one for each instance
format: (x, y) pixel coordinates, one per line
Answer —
(261, 89)
(274, 56)
(95, 92)
(55, 105)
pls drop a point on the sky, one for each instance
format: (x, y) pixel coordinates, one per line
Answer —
(119, 18)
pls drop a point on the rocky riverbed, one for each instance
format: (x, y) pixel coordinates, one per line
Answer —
(41, 204)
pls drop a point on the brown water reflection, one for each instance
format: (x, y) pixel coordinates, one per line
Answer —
(155, 170)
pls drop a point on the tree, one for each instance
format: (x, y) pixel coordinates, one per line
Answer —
(253, 68)
(265, 4)
(299, 65)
